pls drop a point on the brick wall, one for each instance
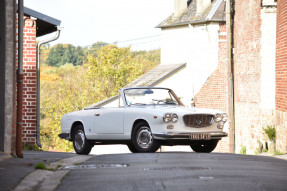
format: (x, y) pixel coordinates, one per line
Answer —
(247, 73)
(29, 70)
(213, 93)
(281, 77)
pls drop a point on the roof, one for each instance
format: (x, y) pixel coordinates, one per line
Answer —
(45, 23)
(149, 79)
(214, 13)
(156, 75)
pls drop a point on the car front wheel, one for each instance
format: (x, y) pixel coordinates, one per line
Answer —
(81, 145)
(143, 140)
(204, 146)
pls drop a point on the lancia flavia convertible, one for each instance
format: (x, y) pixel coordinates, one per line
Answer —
(144, 119)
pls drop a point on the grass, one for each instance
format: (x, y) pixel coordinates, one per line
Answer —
(42, 166)
(243, 150)
(31, 147)
(276, 152)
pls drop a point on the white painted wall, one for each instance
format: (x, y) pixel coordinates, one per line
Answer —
(268, 58)
(195, 45)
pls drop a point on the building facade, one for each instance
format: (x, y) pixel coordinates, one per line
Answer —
(196, 35)
(281, 77)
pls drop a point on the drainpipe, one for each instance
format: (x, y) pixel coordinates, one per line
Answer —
(38, 84)
(230, 53)
(19, 123)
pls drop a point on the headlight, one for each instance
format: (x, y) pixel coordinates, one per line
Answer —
(170, 117)
(167, 118)
(220, 125)
(174, 118)
(224, 117)
(217, 117)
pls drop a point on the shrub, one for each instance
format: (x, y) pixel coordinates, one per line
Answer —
(271, 132)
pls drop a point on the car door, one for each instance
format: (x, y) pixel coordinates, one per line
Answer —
(109, 121)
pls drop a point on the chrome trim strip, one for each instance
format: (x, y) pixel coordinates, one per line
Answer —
(178, 135)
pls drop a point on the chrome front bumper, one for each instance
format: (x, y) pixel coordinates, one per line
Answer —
(172, 136)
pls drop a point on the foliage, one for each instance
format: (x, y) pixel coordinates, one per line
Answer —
(276, 152)
(42, 166)
(94, 48)
(242, 150)
(62, 54)
(31, 147)
(44, 52)
(68, 88)
(271, 132)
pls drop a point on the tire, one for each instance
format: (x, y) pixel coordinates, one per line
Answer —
(81, 145)
(204, 146)
(142, 139)
(132, 148)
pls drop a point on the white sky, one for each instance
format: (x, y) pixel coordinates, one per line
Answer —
(88, 21)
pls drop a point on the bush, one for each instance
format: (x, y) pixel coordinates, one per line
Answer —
(271, 132)
(243, 150)
(31, 147)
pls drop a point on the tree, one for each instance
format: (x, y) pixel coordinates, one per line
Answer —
(62, 54)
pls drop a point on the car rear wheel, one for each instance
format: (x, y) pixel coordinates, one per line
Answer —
(204, 146)
(81, 145)
(143, 140)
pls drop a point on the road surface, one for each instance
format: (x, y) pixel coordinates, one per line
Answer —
(176, 171)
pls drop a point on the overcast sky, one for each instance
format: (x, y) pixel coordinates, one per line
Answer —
(88, 21)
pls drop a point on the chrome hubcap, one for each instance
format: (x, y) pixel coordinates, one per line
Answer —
(79, 140)
(144, 137)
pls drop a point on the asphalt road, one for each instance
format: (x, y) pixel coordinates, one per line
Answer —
(177, 171)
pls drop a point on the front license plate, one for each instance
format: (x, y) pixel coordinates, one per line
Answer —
(200, 136)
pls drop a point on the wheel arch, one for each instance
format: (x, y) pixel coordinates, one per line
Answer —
(137, 122)
(74, 125)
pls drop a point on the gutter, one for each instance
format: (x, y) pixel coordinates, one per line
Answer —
(20, 76)
(230, 62)
(38, 84)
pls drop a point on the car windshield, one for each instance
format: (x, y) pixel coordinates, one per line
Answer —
(149, 96)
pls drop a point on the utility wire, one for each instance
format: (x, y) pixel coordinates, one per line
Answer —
(137, 39)
(128, 40)
(144, 42)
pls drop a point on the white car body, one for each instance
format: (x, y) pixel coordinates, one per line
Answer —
(115, 125)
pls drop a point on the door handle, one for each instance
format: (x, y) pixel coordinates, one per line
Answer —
(97, 114)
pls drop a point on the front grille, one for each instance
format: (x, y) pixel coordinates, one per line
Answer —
(198, 120)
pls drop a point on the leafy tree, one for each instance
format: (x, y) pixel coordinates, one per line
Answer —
(62, 54)
(94, 48)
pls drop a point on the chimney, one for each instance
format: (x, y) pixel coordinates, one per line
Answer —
(201, 5)
(179, 7)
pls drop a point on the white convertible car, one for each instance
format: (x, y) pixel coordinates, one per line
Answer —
(144, 119)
